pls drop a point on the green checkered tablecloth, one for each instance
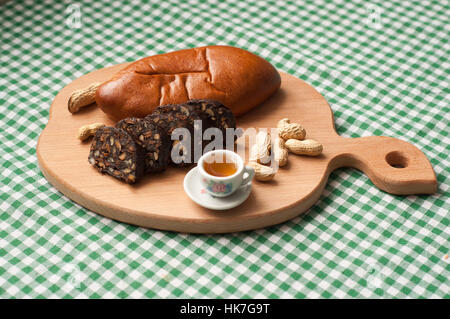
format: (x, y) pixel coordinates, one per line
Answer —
(383, 66)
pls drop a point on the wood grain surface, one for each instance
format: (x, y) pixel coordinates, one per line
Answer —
(159, 200)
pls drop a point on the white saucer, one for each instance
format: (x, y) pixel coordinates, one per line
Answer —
(195, 190)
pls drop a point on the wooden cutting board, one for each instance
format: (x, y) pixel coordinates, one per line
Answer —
(159, 200)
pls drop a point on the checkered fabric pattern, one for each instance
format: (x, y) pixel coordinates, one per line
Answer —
(384, 68)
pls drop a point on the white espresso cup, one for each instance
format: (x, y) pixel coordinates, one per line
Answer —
(227, 185)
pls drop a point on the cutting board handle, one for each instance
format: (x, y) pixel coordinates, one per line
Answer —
(393, 165)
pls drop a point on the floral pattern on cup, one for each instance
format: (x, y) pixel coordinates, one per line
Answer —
(219, 187)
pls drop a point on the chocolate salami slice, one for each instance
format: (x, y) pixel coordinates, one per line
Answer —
(173, 116)
(152, 139)
(114, 152)
(220, 115)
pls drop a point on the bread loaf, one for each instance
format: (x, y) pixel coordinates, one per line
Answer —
(237, 78)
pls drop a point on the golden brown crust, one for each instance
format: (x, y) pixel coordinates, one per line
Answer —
(239, 79)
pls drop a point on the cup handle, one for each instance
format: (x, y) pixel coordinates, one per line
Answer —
(250, 172)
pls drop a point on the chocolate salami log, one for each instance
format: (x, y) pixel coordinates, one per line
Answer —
(152, 139)
(114, 152)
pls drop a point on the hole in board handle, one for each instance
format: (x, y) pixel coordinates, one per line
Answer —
(397, 159)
